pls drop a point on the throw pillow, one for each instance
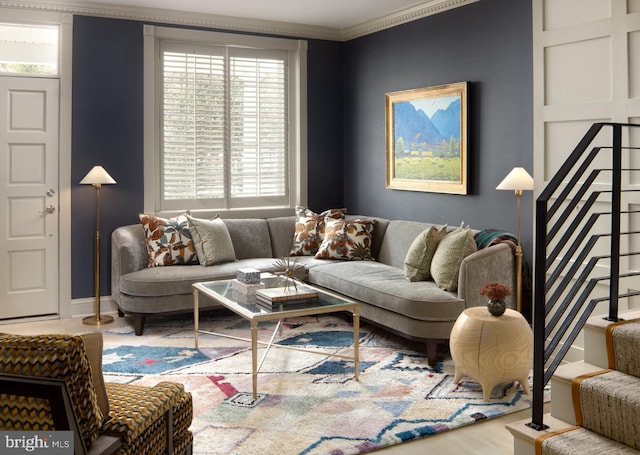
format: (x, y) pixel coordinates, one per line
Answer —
(212, 241)
(169, 241)
(347, 239)
(310, 227)
(417, 263)
(452, 249)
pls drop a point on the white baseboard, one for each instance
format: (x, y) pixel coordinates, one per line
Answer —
(85, 307)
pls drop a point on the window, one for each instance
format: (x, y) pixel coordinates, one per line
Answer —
(226, 122)
(27, 49)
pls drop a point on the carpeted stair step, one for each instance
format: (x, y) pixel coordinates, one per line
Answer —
(579, 441)
(623, 346)
(524, 437)
(561, 395)
(595, 346)
(608, 403)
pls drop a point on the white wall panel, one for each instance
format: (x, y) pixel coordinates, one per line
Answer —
(634, 64)
(572, 79)
(562, 137)
(565, 13)
(634, 156)
(586, 57)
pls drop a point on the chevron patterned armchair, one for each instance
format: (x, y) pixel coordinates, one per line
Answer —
(55, 383)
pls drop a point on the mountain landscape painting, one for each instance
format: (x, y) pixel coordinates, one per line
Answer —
(426, 138)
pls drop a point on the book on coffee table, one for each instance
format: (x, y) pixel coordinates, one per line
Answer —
(282, 295)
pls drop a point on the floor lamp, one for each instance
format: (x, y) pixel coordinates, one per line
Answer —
(518, 180)
(97, 177)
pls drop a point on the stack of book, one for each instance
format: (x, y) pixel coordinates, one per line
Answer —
(281, 296)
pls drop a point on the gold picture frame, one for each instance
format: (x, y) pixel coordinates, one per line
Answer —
(426, 135)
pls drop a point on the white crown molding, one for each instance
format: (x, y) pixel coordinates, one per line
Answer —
(428, 8)
(164, 16)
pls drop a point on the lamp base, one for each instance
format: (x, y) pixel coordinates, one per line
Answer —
(97, 319)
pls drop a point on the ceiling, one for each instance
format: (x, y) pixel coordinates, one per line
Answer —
(338, 14)
(323, 19)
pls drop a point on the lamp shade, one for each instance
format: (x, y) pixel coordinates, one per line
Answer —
(517, 179)
(97, 176)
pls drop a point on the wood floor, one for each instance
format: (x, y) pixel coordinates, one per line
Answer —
(484, 438)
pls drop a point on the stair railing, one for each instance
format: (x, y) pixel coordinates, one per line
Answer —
(568, 230)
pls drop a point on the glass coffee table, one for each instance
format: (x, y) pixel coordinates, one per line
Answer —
(222, 292)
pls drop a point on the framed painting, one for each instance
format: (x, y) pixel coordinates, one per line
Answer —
(426, 134)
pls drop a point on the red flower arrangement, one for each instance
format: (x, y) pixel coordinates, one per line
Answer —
(495, 291)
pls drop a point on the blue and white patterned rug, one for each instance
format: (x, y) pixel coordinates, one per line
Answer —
(307, 403)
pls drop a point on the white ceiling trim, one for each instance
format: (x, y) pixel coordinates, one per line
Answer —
(429, 8)
(411, 14)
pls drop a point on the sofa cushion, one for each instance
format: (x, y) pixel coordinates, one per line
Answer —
(168, 281)
(281, 231)
(250, 237)
(417, 264)
(386, 287)
(452, 249)
(212, 241)
(397, 240)
(347, 240)
(169, 240)
(310, 229)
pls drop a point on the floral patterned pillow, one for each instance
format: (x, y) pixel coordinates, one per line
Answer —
(349, 240)
(169, 241)
(310, 228)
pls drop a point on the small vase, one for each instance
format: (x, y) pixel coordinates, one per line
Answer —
(497, 307)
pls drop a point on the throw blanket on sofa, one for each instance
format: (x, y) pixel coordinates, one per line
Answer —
(490, 237)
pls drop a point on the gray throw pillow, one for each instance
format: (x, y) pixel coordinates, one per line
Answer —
(417, 263)
(212, 241)
(452, 249)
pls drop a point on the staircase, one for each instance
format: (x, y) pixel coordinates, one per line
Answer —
(595, 403)
(587, 262)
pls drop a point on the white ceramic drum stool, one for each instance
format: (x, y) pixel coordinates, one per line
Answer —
(492, 350)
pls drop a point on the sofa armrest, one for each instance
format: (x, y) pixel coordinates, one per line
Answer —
(493, 263)
(128, 254)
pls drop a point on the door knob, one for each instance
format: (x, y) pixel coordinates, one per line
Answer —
(48, 210)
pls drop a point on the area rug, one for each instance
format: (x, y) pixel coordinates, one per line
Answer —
(307, 403)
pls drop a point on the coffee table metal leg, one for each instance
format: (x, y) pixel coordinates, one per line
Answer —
(356, 343)
(196, 317)
(254, 357)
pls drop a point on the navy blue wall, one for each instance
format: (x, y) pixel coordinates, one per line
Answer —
(108, 130)
(487, 43)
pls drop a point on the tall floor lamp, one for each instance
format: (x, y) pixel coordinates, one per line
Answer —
(97, 177)
(518, 180)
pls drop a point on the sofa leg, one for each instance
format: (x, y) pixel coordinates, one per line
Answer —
(120, 313)
(138, 324)
(432, 349)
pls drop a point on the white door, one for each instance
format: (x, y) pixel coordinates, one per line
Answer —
(28, 197)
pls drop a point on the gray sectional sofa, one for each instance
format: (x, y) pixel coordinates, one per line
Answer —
(418, 310)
